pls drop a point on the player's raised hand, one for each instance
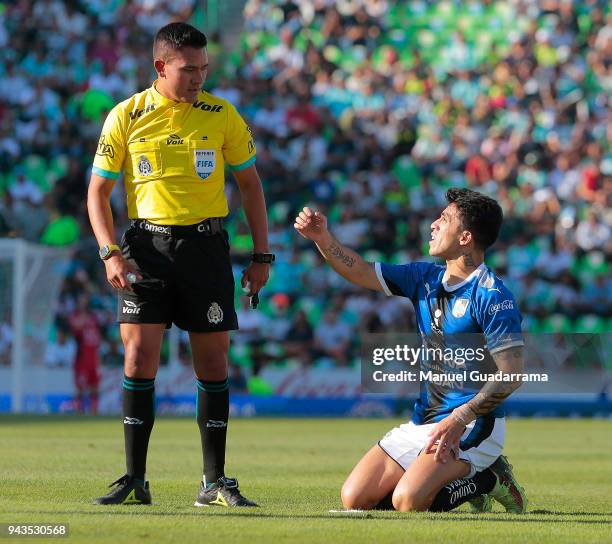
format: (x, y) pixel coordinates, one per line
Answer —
(311, 224)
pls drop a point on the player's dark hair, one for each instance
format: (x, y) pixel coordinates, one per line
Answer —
(175, 36)
(479, 214)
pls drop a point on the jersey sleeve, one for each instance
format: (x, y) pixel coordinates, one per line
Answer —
(111, 149)
(239, 147)
(401, 279)
(499, 317)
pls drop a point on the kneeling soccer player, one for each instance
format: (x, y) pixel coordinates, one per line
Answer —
(450, 452)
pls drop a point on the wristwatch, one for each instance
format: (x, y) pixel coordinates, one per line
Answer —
(267, 258)
(106, 251)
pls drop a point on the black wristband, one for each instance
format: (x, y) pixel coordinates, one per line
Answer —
(267, 258)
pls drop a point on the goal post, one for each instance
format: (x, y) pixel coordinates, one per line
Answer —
(31, 276)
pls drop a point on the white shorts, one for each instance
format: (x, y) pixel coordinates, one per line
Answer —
(483, 443)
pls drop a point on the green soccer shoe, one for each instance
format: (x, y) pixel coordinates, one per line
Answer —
(507, 490)
(481, 504)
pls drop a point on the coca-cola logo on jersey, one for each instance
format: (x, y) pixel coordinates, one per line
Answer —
(505, 305)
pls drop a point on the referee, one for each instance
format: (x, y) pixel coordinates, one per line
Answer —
(172, 142)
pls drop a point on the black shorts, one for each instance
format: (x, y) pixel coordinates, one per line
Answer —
(187, 279)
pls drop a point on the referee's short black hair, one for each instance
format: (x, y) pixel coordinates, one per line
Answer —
(479, 214)
(175, 36)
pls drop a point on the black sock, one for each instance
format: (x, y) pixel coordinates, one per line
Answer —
(460, 491)
(212, 410)
(138, 418)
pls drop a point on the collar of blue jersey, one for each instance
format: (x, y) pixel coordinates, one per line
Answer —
(451, 288)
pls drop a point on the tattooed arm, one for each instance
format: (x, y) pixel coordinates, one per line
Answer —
(493, 393)
(313, 226)
(348, 264)
(445, 438)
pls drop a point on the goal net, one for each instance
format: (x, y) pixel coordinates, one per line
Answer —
(30, 279)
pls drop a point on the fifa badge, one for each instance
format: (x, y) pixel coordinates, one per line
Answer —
(205, 161)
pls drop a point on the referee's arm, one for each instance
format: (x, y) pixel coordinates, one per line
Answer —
(99, 209)
(312, 225)
(254, 204)
(101, 219)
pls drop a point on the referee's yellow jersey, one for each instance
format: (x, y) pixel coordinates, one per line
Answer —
(173, 155)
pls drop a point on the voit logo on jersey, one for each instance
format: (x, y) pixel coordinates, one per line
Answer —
(174, 139)
(140, 112)
(207, 107)
(205, 160)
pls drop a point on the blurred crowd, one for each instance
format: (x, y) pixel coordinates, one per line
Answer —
(366, 109)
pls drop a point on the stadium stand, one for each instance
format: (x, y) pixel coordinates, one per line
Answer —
(367, 109)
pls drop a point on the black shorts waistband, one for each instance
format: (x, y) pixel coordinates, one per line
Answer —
(208, 227)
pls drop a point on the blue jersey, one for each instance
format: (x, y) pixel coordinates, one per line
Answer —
(477, 312)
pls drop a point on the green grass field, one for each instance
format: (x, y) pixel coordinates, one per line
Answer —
(53, 467)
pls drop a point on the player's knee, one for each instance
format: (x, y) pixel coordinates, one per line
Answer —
(213, 367)
(139, 358)
(355, 498)
(352, 498)
(210, 355)
(405, 500)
